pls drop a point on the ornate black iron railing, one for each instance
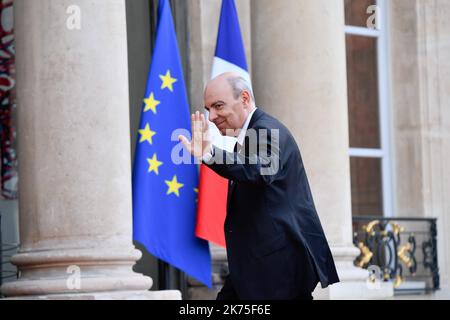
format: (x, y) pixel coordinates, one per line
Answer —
(403, 250)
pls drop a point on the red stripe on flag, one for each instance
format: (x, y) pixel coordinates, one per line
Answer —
(212, 206)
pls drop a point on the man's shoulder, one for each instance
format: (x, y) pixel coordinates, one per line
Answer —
(263, 120)
(267, 122)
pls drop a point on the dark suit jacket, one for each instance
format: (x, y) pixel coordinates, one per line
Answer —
(276, 246)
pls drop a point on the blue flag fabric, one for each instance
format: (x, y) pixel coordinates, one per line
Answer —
(165, 191)
(229, 44)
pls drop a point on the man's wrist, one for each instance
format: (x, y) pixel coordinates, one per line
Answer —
(208, 155)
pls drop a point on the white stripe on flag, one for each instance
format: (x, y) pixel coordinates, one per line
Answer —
(220, 66)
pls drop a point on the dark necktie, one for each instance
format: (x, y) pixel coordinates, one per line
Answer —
(235, 150)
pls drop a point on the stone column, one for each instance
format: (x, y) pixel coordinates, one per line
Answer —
(420, 71)
(299, 76)
(74, 154)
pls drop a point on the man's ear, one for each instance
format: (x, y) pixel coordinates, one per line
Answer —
(245, 96)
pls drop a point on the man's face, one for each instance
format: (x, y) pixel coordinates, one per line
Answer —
(225, 111)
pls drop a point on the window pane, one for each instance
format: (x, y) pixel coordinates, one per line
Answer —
(362, 92)
(356, 12)
(367, 198)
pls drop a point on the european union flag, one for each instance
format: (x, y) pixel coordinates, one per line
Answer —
(165, 191)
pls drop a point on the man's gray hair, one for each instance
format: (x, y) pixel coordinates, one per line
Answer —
(239, 84)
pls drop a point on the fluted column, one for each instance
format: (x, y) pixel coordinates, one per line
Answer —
(74, 153)
(299, 76)
(421, 117)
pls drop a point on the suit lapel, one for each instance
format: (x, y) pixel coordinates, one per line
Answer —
(231, 185)
(255, 117)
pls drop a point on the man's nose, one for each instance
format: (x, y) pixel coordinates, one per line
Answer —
(212, 115)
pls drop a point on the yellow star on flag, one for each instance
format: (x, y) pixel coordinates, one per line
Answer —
(196, 191)
(154, 164)
(151, 103)
(174, 186)
(146, 134)
(167, 81)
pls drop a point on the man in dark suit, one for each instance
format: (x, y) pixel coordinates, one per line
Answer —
(276, 246)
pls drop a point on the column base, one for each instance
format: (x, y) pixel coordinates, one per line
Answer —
(119, 295)
(355, 283)
(68, 272)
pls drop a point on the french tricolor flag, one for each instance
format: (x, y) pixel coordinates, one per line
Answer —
(213, 189)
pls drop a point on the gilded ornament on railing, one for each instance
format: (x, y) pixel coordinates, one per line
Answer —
(383, 238)
(365, 257)
(404, 255)
(380, 244)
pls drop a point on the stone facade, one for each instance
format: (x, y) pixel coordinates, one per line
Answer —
(74, 142)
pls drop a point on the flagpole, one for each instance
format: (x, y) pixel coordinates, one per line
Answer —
(170, 278)
(163, 275)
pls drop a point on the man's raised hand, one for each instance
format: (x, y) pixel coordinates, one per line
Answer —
(200, 144)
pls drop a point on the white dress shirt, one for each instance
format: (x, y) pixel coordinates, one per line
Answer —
(241, 136)
(240, 139)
